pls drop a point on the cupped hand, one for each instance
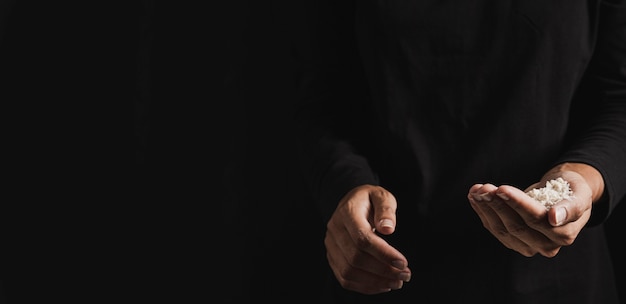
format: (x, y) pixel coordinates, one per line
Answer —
(359, 257)
(525, 225)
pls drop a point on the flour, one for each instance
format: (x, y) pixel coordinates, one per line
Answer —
(555, 191)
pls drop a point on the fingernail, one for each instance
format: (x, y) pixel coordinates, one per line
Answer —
(503, 196)
(405, 276)
(477, 197)
(561, 214)
(398, 264)
(486, 196)
(397, 286)
(386, 223)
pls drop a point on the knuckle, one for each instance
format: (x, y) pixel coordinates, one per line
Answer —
(567, 240)
(524, 250)
(536, 220)
(550, 253)
(528, 253)
(358, 260)
(387, 209)
(501, 232)
(363, 240)
(347, 274)
(380, 192)
(518, 230)
(347, 284)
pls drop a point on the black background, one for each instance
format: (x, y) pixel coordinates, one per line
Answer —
(151, 153)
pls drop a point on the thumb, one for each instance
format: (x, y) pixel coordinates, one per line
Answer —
(571, 208)
(385, 206)
(558, 215)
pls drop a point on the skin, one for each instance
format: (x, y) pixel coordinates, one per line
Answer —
(519, 222)
(364, 262)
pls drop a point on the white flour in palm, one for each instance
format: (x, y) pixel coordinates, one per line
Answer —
(555, 191)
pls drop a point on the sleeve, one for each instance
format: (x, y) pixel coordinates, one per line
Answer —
(599, 112)
(332, 115)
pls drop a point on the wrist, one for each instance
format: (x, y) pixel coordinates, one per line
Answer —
(591, 175)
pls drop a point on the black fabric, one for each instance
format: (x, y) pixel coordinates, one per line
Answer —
(427, 98)
(196, 200)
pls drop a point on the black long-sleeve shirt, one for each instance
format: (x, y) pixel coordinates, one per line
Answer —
(426, 98)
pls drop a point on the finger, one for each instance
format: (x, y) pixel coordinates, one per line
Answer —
(571, 210)
(481, 214)
(532, 212)
(358, 253)
(558, 215)
(369, 242)
(357, 270)
(360, 280)
(525, 219)
(385, 206)
(360, 230)
(365, 283)
(479, 196)
(475, 199)
(564, 226)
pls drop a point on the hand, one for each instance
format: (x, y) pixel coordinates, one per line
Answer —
(362, 260)
(524, 225)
